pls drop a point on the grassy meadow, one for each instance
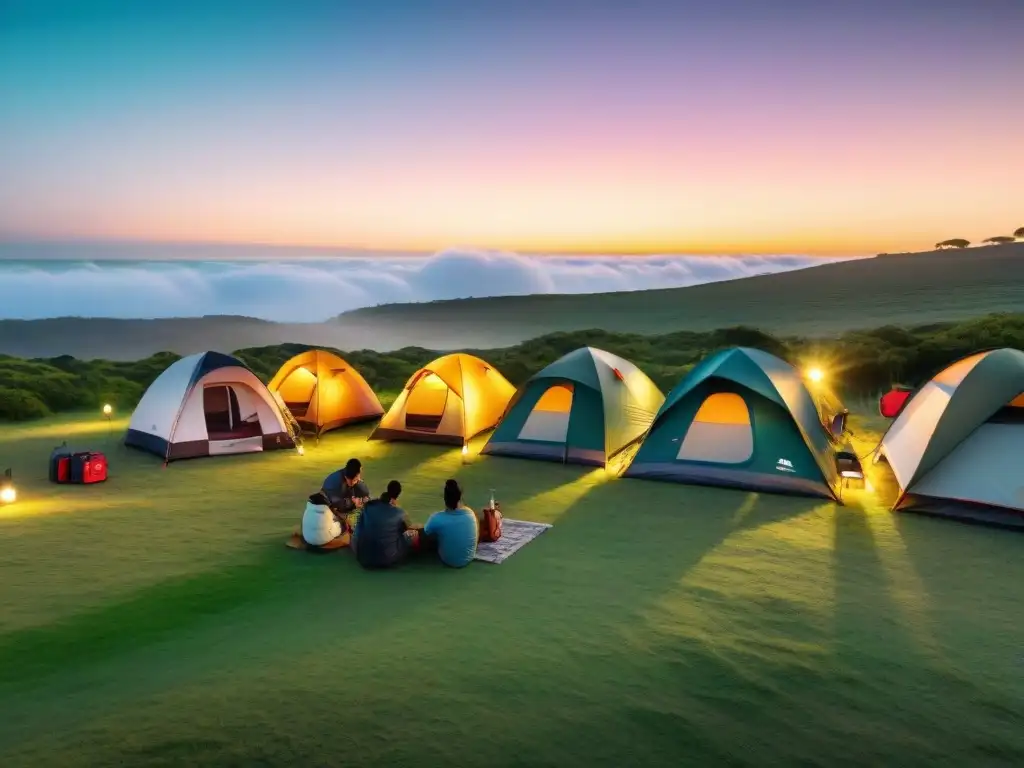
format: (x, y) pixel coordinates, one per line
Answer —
(159, 620)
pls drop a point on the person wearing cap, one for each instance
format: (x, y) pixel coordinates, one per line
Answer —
(382, 537)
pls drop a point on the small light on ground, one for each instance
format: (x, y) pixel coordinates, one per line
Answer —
(8, 495)
(300, 450)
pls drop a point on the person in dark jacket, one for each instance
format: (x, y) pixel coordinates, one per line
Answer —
(345, 489)
(381, 538)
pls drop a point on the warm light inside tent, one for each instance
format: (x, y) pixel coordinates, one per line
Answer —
(815, 374)
(107, 409)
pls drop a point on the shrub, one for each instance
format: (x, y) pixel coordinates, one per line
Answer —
(20, 405)
(864, 362)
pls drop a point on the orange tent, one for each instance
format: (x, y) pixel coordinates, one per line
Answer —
(450, 400)
(324, 392)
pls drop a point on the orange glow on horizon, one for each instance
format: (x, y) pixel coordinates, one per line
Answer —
(821, 245)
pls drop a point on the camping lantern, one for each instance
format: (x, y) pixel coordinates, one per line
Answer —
(815, 375)
(465, 453)
(7, 493)
(849, 468)
(108, 410)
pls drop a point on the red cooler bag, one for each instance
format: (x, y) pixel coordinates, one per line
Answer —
(87, 468)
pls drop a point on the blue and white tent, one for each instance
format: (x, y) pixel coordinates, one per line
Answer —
(208, 404)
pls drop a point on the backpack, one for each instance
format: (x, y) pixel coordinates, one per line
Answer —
(490, 525)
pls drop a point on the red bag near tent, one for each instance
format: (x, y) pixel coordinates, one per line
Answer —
(78, 468)
(892, 402)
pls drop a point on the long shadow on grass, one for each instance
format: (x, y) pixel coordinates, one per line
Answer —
(148, 616)
(969, 579)
(284, 606)
(868, 625)
(923, 637)
(581, 601)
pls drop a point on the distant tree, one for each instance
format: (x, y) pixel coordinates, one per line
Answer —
(1019, 233)
(956, 242)
(999, 240)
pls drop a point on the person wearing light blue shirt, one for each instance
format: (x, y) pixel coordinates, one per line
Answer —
(456, 529)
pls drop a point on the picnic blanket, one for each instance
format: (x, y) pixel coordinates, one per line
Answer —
(515, 534)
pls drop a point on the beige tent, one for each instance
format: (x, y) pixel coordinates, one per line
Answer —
(324, 392)
(448, 401)
(956, 446)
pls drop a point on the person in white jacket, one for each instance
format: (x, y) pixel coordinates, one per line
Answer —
(344, 493)
(319, 525)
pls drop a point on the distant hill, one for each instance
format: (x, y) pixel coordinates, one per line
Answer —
(898, 289)
(892, 288)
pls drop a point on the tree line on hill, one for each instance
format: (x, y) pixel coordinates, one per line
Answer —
(860, 363)
(959, 242)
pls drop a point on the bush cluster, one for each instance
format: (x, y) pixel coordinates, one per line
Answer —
(863, 363)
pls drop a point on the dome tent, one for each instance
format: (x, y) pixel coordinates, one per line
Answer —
(208, 404)
(448, 401)
(742, 418)
(584, 408)
(323, 392)
(955, 447)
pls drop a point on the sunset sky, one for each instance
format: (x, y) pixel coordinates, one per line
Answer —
(701, 126)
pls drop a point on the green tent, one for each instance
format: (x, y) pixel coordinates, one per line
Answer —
(955, 448)
(584, 408)
(742, 418)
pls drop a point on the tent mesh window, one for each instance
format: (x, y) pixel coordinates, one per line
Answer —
(549, 419)
(223, 417)
(721, 432)
(428, 398)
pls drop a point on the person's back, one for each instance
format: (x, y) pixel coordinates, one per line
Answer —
(456, 529)
(319, 525)
(379, 537)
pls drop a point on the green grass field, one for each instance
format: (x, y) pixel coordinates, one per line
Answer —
(159, 620)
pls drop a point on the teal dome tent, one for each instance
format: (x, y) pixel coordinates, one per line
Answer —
(742, 418)
(584, 408)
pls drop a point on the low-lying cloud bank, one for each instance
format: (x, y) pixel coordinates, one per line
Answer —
(313, 290)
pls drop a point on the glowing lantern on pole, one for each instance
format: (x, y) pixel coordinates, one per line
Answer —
(7, 493)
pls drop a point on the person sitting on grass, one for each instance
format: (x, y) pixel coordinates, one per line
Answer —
(456, 529)
(346, 490)
(326, 515)
(320, 526)
(381, 536)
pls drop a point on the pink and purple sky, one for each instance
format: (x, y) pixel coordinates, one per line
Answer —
(700, 126)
